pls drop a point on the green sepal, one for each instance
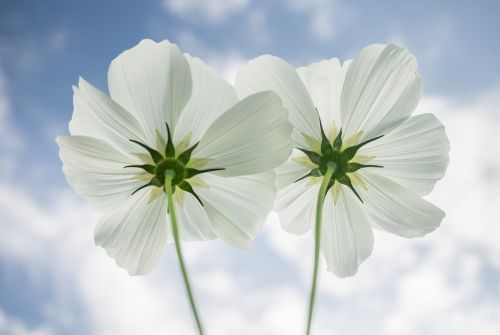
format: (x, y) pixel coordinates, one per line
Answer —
(184, 185)
(155, 155)
(313, 156)
(337, 142)
(146, 167)
(169, 148)
(353, 167)
(345, 180)
(312, 173)
(186, 155)
(189, 173)
(350, 152)
(326, 146)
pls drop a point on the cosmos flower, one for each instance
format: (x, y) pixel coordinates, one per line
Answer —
(361, 161)
(169, 112)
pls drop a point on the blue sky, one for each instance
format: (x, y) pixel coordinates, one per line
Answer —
(53, 280)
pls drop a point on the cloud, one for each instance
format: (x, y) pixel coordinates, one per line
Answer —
(326, 17)
(212, 11)
(227, 63)
(10, 140)
(12, 326)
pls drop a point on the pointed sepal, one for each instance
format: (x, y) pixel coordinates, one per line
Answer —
(155, 155)
(186, 155)
(345, 180)
(185, 186)
(312, 173)
(169, 148)
(146, 167)
(313, 156)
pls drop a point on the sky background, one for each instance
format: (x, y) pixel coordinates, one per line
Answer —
(54, 281)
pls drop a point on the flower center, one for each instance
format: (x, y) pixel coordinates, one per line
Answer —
(170, 162)
(331, 154)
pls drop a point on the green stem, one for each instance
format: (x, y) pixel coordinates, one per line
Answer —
(169, 175)
(317, 241)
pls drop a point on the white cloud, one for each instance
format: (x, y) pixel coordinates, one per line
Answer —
(11, 326)
(214, 11)
(326, 17)
(226, 63)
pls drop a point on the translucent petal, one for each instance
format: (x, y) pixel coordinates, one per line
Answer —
(211, 97)
(292, 169)
(381, 89)
(237, 206)
(324, 82)
(194, 223)
(274, 74)
(296, 205)
(414, 155)
(96, 171)
(135, 234)
(251, 137)
(96, 115)
(347, 237)
(153, 82)
(395, 209)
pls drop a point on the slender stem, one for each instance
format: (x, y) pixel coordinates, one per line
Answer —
(169, 175)
(317, 241)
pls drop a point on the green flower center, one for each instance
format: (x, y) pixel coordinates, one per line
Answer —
(170, 162)
(331, 154)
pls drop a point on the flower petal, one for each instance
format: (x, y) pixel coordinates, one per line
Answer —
(194, 223)
(252, 137)
(381, 89)
(135, 234)
(211, 97)
(291, 170)
(324, 81)
(96, 171)
(153, 82)
(296, 205)
(96, 115)
(237, 206)
(274, 74)
(414, 155)
(397, 210)
(347, 237)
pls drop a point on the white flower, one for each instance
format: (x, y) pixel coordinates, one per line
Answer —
(221, 149)
(384, 161)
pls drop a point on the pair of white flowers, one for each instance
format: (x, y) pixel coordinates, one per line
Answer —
(280, 132)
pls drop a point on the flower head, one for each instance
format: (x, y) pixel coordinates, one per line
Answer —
(356, 119)
(168, 111)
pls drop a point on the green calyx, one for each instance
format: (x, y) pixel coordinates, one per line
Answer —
(332, 155)
(168, 163)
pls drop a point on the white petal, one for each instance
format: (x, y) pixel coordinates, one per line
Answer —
(296, 205)
(237, 206)
(194, 223)
(96, 171)
(211, 97)
(153, 82)
(135, 234)
(397, 210)
(347, 237)
(414, 155)
(274, 74)
(291, 170)
(324, 81)
(96, 115)
(251, 137)
(381, 89)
